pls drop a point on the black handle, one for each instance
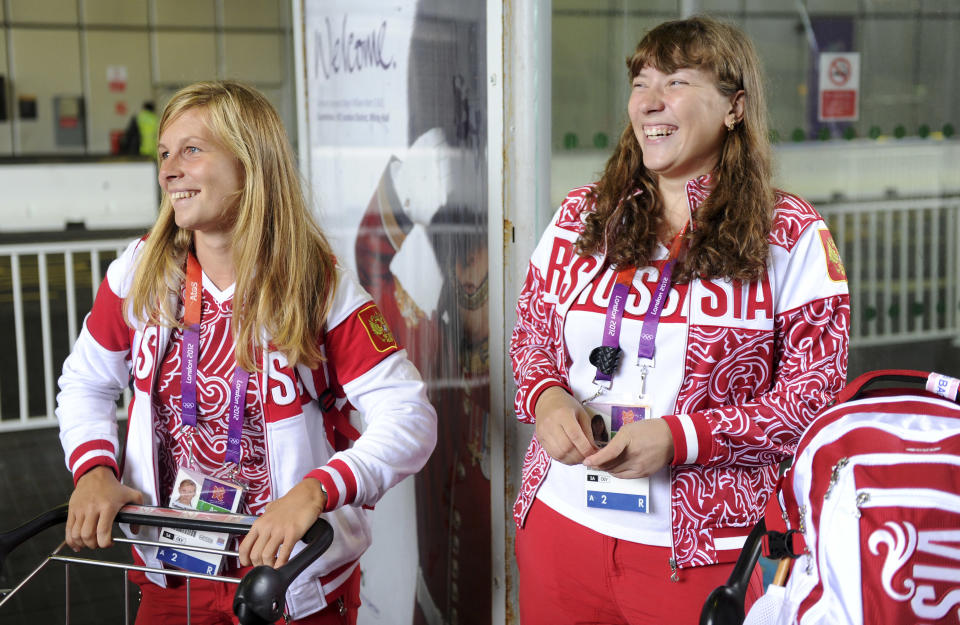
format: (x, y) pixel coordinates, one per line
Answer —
(136, 515)
(14, 538)
(259, 599)
(230, 523)
(858, 387)
(725, 605)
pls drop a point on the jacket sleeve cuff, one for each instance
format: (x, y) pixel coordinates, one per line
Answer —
(692, 443)
(93, 454)
(537, 389)
(339, 482)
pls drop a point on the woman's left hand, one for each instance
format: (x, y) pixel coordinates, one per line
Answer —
(284, 522)
(638, 449)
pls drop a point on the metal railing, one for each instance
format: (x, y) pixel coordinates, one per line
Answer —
(46, 289)
(902, 266)
(901, 257)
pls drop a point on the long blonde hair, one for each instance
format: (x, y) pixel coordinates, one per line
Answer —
(285, 274)
(732, 226)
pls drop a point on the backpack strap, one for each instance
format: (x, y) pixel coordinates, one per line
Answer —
(321, 383)
(340, 432)
(935, 383)
(778, 541)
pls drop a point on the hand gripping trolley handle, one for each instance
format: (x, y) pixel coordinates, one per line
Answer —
(259, 599)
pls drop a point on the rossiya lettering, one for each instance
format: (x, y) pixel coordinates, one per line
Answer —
(145, 358)
(902, 543)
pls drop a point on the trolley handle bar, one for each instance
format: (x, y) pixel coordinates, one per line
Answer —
(12, 539)
(260, 597)
(238, 524)
(318, 537)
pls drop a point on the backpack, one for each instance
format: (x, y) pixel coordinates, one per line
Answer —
(869, 510)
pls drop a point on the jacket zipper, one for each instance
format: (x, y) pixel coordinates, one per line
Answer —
(674, 574)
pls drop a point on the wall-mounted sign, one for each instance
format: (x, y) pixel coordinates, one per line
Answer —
(27, 106)
(68, 121)
(839, 86)
(117, 77)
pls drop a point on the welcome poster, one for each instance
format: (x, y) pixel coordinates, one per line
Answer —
(397, 126)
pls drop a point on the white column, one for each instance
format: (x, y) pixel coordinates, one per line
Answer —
(690, 7)
(519, 169)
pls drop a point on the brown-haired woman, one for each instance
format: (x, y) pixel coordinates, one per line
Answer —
(702, 313)
(234, 323)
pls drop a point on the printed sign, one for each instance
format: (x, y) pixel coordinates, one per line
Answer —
(117, 77)
(839, 86)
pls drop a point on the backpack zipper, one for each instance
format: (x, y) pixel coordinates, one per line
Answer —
(835, 475)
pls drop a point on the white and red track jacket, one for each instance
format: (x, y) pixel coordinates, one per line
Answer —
(364, 367)
(761, 360)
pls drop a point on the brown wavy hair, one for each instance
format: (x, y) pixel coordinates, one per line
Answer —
(284, 264)
(731, 227)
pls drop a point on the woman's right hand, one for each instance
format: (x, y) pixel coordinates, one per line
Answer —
(563, 426)
(94, 504)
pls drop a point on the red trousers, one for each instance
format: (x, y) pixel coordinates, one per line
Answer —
(211, 603)
(571, 574)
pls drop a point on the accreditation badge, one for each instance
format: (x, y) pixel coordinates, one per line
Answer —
(603, 490)
(193, 490)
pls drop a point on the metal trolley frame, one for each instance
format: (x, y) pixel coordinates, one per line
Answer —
(259, 599)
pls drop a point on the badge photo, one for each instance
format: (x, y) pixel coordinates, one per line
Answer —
(603, 490)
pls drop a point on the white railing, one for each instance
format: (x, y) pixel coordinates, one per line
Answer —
(902, 264)
(38, 281)
(901, 257)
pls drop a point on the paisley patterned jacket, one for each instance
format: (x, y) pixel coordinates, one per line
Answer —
(761, 360)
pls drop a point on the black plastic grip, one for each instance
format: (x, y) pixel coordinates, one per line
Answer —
(14, 538)
(259, 599)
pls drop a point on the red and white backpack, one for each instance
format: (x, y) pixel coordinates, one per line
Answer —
(870, 509)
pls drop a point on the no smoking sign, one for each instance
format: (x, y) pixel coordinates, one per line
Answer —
(839, 86)
(839, 71)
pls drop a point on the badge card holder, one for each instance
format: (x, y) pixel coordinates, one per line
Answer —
(603, 490)
(193, 490)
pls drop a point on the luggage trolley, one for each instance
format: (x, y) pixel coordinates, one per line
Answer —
(259, 599)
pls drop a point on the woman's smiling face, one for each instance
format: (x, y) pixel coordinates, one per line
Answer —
(200, 175)
(680, 119)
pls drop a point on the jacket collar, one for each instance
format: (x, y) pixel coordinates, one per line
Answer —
(699, 189)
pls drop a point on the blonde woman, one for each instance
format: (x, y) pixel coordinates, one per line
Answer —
(701, 314)
(243, 340)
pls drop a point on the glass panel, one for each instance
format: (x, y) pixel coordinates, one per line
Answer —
(397, 123)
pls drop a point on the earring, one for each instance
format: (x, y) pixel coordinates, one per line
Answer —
(731, 125)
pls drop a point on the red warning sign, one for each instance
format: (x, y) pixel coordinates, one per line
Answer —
(839, 86)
